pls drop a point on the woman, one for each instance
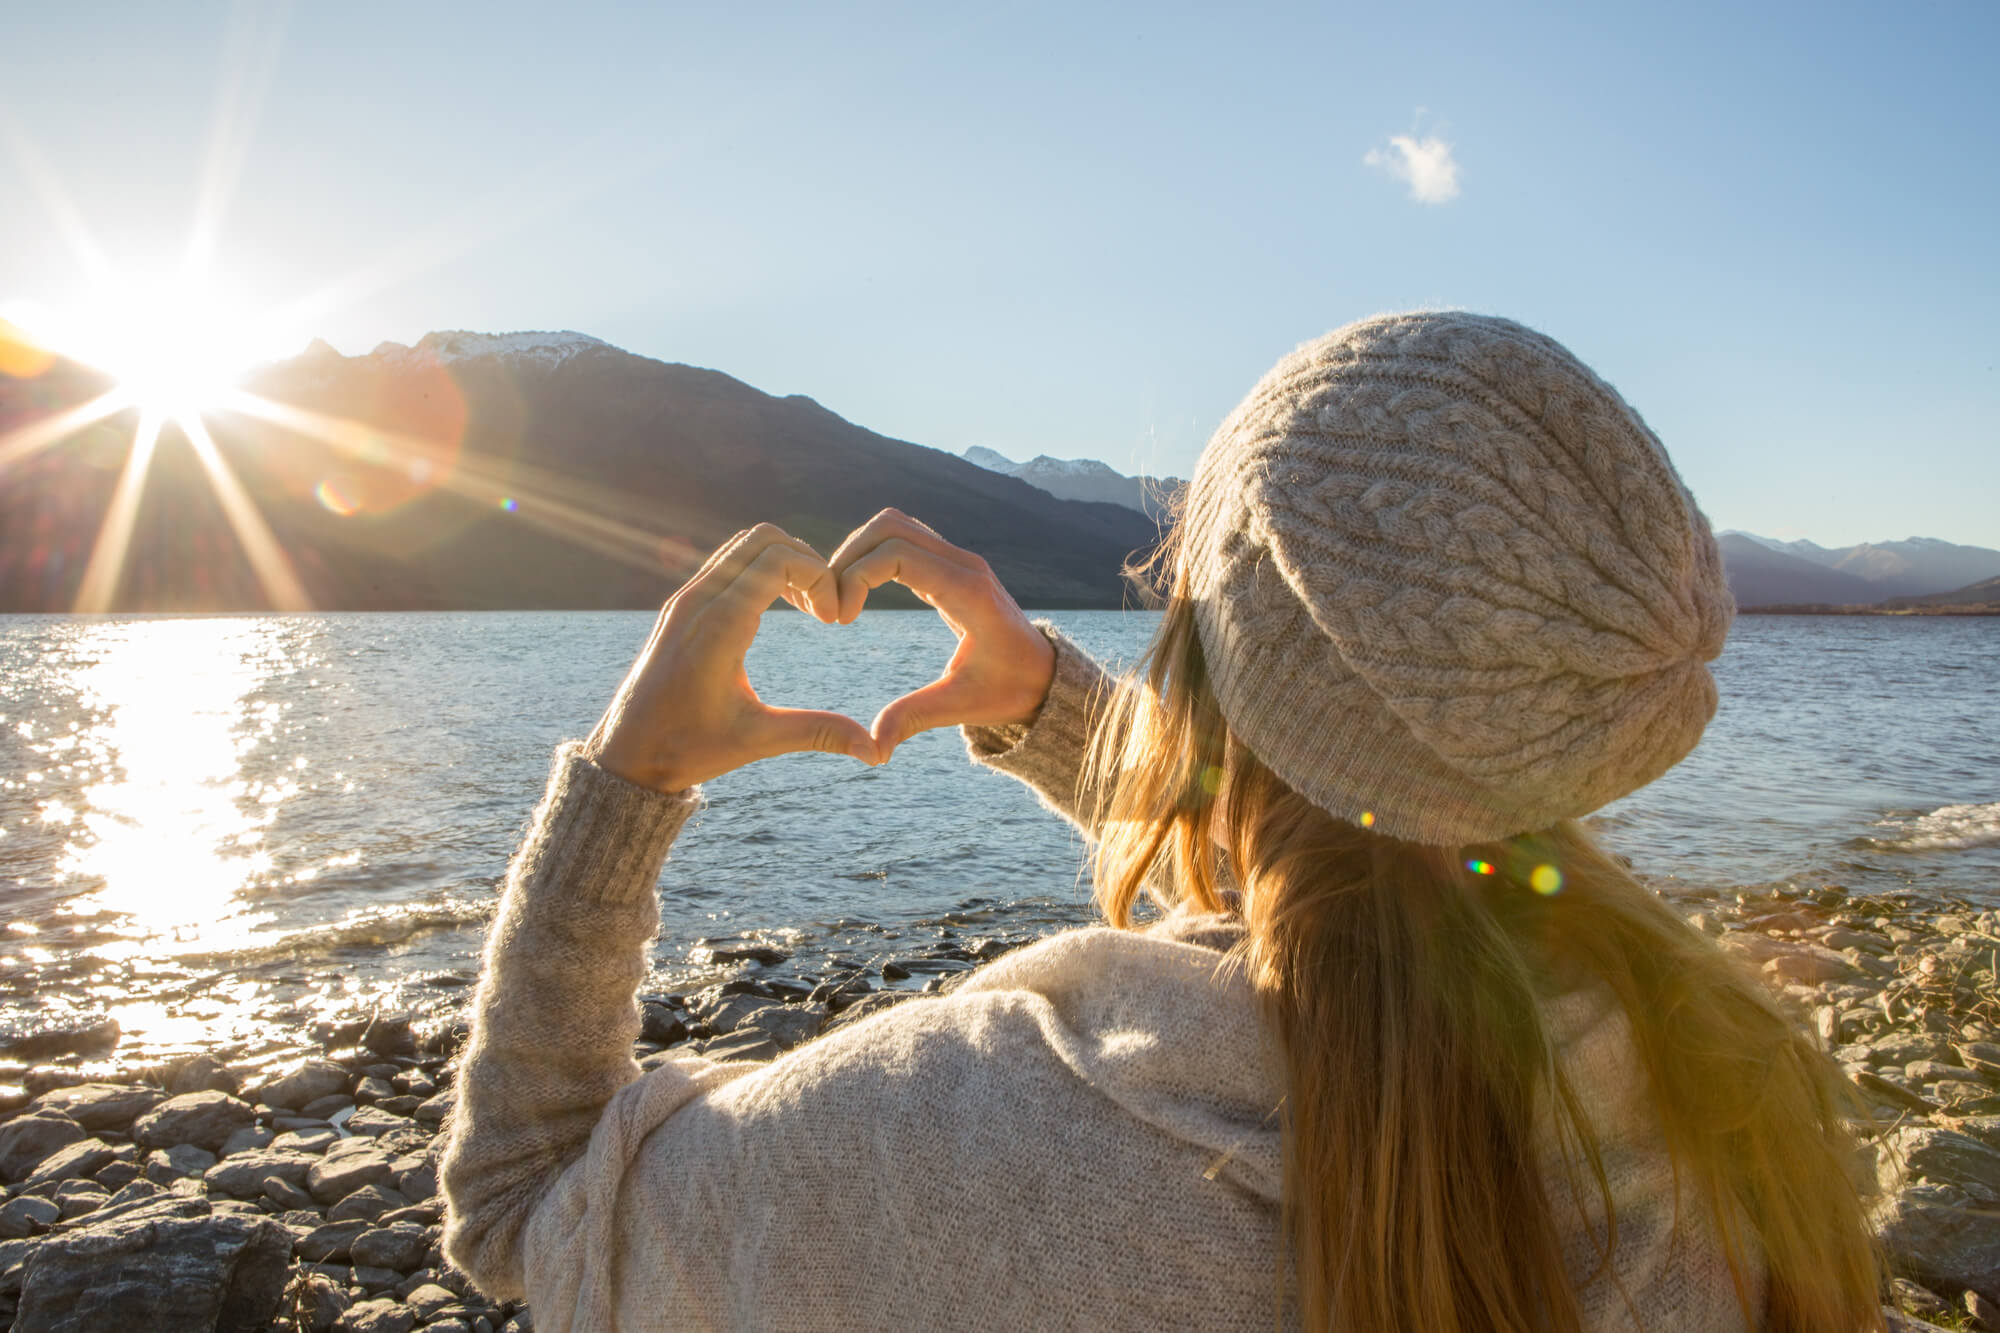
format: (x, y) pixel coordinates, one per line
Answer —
(1405, 1051)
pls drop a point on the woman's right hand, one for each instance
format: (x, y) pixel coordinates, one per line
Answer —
(1001, 671)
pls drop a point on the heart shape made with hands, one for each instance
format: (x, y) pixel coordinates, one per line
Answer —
(686, 712)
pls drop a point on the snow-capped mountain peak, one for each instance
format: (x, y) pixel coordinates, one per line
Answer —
(991, 460)
(449, 346)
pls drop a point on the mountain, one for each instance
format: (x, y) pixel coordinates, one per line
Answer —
(515, 470)
(1084, 479)
(1764, 571)
(1982, 596)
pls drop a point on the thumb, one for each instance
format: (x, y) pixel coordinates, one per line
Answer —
(791, 730)
(919, 710)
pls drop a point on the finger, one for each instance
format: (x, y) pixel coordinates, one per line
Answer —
(934, 705)
(742, 554)
(899, 560)
(777, 569)
(791, 730)
(889, 525)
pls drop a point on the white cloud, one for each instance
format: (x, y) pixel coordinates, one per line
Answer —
(1425, 165)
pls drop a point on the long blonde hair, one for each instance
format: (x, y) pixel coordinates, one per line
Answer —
(1405, 984)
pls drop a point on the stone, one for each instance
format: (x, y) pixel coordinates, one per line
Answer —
(77, 1197)
(661, 1025)
(1980, 1055)
(423, 1214)
(434, 1110)
(201, 1073)
(894, 971)
(872, 1003)
(389, 1034)
(414, 1083)
(399, 1105)
(1811, 965)
(400, 1245)
(183, 1161)
(1916, 1299)
(367, 1203)
(429, 1299)
(376, 1280)
(1930, 1071)
(205, 1119)
(63, 1039)
(1983, 1313)
(328, 1241)
(170, 1264)
(333, 1177)
(26, 1140)
(28, 1216)
(744, 1044)
(308, 1083)
(321, 1302)
(243, 1140)
(373, 1090)
(789, 1025)
(1938, 1235)
(324, 1108)
(1899, 1048)
(377, 1317)
(315, 1140)
(102, 1106)
(417, 1183)
(243, 1175)
(450, 1325)
(85, 1157)
(288, 1196)
(372, 1121)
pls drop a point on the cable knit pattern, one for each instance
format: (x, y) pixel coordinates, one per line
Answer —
(1444, 575)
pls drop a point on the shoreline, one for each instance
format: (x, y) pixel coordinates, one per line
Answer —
(320, 1162)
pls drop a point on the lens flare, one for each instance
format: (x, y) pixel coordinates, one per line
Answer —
(1546, 880)
(1480, 867)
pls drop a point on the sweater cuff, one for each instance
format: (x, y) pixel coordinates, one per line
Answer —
(599, 837)
(1060, 732)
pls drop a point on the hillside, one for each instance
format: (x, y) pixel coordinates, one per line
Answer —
(518, 471)
(1764, 571)
(1085, 479)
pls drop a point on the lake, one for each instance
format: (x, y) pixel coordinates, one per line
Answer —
(214, 828)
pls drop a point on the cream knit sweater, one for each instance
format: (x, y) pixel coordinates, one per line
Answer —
(1084, 1135)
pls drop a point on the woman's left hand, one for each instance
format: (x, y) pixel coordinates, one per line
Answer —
(686, 711)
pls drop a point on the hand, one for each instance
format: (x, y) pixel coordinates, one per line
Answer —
(1001, 671)
(686, 712)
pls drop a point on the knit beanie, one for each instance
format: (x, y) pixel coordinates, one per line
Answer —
(1448, 585)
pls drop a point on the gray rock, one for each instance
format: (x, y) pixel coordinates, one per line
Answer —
(323, 1108)
(401, 1246)
(788, 1025)
(434, 1111)
(725, 1013)
(167, 1265)
(367, 1204)
(423, 1214)
(243, 1140)
(27, 1139)
(373, 1121)
(243, 1175)
(429, 1299)
(329, 1241)
(414, 1082)
(1942, 1237)
(390, 1034)
(85, 1157)
(77, 1197)
(100, 1106)
(183, 1161)
(451, 1325)
(377, 1317)
(658, 1023)
(743, 1044)
(202, 1073)
(303, 1085)
(872, 1003)
(376, 1281)
(417, 1183)
(307, 1140)
(1939, 1157)
(334, 1177)
(28, 1216)
(287, 1195)
(373, 1090)
(1899, 1048)
(118, 1175)
(322, 1301)
(205, 1119)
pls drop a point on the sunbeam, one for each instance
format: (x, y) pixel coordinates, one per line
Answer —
(249, 60)
(268, 560)
(34, 436)
(106, 570)
(69, 222)
(581, 521)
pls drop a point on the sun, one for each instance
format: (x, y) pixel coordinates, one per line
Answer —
(175, 348)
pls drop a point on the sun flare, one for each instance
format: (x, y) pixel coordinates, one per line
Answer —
(175, 348)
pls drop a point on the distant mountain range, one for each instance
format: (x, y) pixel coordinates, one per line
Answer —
(536, 470)
(1764, 571)
(1084, 479)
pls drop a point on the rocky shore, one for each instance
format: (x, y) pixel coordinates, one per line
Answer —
(299, 1192)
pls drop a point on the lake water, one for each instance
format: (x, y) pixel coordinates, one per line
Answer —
(212, 828)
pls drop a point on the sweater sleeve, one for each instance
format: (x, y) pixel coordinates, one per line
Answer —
(1048, 754)
(555, 1015)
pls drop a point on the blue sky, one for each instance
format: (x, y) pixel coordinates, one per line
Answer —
(1086, 230)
